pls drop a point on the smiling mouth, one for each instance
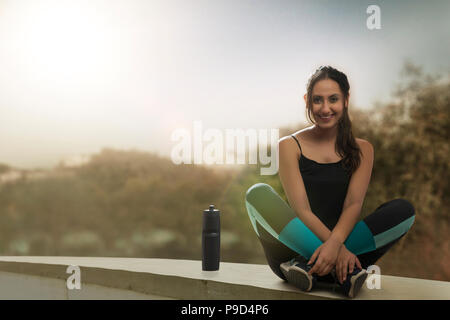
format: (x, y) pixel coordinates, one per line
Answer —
(327, 117)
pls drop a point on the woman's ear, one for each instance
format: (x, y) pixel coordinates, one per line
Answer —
(304, 97)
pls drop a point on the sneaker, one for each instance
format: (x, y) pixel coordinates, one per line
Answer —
(296, 272)
(354, 282)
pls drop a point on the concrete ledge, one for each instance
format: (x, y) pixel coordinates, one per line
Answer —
(42, 277)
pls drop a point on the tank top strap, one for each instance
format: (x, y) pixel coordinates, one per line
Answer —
(297, 142)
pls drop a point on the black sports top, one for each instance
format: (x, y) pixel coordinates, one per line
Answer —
(326, 185)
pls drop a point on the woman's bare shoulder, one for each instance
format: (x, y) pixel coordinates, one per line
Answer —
(286, 143)
(299, 135)
(362, 142)
(303, 133)
(364, 145)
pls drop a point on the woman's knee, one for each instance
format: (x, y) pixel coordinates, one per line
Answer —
(390, 215)
(405, 207)
(257, 191)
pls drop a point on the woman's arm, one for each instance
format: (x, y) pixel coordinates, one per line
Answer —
(355, 194)
(359, 183)
(325, 256)
(292, 182)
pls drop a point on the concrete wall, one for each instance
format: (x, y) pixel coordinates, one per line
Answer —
(15, 286)
(129, 278)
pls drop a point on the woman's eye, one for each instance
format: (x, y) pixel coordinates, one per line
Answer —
(316, 100)
(333, 99)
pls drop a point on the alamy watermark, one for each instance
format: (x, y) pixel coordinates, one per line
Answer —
(373, 280)
(220, 147)
(374, 20)
(74, 280)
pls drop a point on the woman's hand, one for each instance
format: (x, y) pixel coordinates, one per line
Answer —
(326, 256)
(345, 262)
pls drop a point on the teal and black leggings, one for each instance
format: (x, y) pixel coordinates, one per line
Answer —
(283, 235)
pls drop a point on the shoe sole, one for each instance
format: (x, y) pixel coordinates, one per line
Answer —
(297, 276)
(357, 282)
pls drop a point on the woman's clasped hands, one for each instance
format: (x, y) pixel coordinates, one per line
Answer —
(333, 254)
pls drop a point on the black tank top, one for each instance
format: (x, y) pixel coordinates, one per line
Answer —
(326, 185)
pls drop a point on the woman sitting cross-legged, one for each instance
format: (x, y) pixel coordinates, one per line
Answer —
(325, 172)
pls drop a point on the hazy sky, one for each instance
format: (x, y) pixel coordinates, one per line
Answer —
(79, 75)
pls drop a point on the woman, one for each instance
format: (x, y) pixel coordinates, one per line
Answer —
(325, 172)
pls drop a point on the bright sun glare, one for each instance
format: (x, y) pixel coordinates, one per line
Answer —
(62, 40)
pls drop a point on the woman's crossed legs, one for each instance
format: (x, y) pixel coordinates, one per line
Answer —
(284, 236)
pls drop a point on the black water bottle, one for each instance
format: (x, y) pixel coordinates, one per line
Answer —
(211, 239)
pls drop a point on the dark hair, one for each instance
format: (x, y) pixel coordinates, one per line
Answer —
(346, 145)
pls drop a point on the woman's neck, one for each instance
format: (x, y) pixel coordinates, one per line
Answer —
(325, 135)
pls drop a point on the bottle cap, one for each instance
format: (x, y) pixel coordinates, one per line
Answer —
(211, 209)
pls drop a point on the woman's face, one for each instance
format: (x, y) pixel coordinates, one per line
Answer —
(327, 105)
